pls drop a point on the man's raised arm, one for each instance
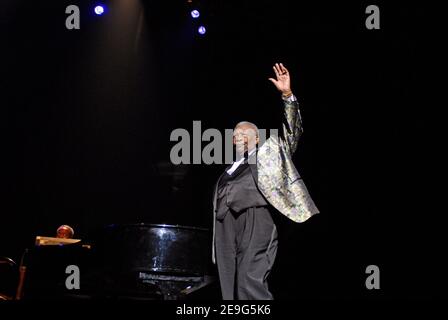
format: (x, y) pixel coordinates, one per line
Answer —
(292, 124)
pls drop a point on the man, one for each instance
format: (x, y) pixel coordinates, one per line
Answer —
(65, 232)
(261, 182)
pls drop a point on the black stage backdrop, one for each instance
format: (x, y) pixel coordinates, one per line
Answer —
(87, 116)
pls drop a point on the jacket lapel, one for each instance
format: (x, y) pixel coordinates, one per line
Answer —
(253, 166)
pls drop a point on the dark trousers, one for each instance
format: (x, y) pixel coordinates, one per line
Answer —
(246, 246)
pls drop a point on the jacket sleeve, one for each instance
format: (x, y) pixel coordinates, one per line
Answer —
(292, 124)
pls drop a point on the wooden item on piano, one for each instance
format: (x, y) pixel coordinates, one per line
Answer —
(51, 241)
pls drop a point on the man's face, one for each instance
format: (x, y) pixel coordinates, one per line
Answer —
(245, 138)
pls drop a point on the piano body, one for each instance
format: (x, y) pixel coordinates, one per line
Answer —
(132, 261)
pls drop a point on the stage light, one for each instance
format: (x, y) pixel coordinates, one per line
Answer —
(202, 30)
(195, 14)
(99, 10)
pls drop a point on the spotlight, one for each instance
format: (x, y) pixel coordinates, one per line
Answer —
(99, 10)
(195, 14)
(202, 30)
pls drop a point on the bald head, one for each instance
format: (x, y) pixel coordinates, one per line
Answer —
(247, 124)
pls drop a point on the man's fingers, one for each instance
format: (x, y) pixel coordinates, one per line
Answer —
(272, 80)
(284, 70)
(277, 72)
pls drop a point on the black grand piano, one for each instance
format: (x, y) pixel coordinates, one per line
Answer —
(132, 261)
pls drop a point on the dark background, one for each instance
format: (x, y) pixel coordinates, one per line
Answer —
(87, 116)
